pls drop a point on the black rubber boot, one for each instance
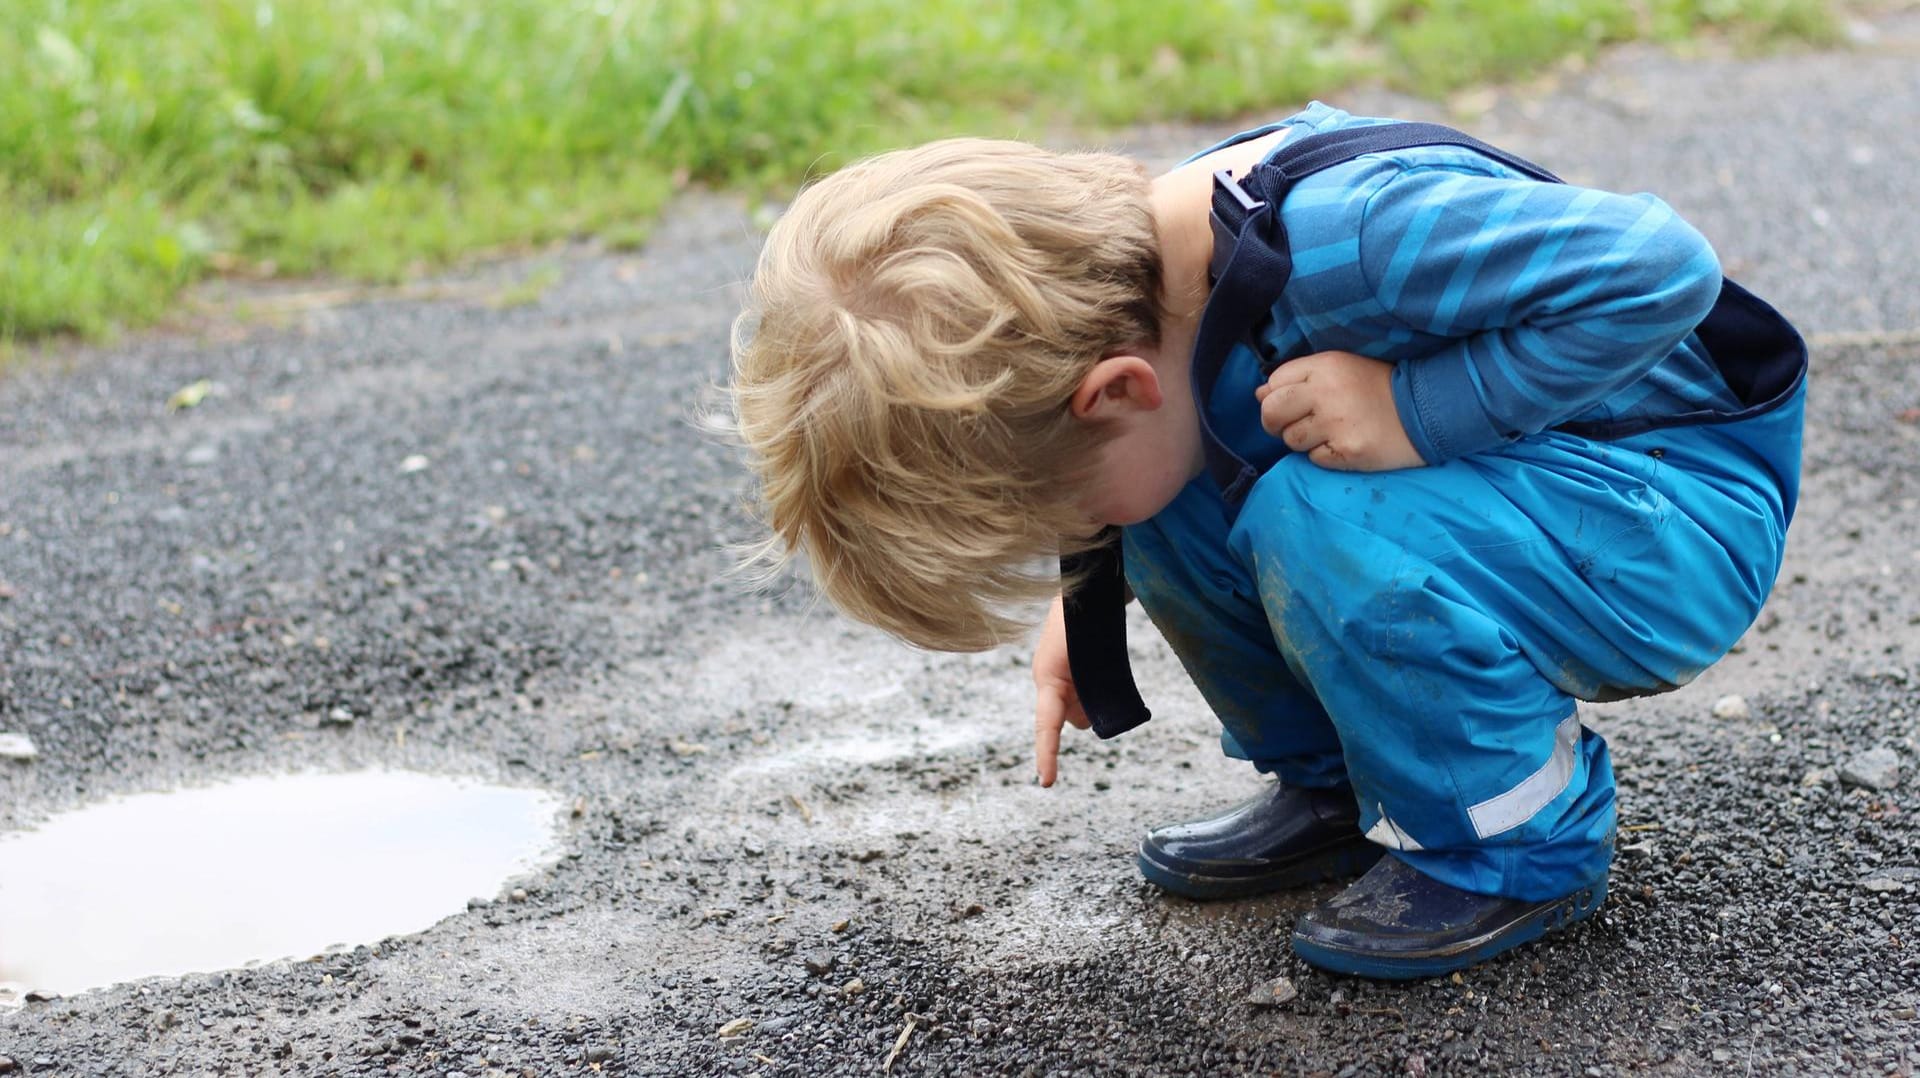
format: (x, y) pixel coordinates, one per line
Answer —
(1395, 923)
(1285, 837)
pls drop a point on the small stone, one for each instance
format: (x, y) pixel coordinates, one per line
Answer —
(776, 1025)
(1732, 707)
(597, 1053)
(1275, 993)
(684, 749)
(1416, 1066)
(1881, 885)
(339, 716)
(818, 963)
(415, 463)
(1820, 776)
(8, 1065)
(1877, 769)
(853, 987)
(1721, 1055)
(841, 925)
(17, 747)
(518, 894)
(736, 1027)
(201, 455)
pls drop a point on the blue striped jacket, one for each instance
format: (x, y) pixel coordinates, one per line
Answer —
(1508, 305)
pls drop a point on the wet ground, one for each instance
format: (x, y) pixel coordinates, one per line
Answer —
(476, 540)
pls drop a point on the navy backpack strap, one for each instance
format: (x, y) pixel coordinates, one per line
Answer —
(1300, 158)
(1096, 614)
(1251, 266)
(1252, 261)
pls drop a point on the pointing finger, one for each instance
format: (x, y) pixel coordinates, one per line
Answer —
(1048, 713)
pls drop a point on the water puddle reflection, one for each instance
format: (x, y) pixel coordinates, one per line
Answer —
(253, 870)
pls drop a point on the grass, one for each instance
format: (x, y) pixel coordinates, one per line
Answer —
(148, 143)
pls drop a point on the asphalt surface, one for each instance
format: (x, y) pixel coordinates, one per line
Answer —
(788, 820)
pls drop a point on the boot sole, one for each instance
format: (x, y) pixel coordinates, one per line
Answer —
(1348, 857)
(1530, 925)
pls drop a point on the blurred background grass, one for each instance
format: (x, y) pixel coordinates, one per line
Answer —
(147, 143)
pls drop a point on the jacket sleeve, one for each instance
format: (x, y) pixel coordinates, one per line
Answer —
(1551, 298)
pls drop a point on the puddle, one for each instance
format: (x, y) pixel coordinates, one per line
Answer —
(253, 870)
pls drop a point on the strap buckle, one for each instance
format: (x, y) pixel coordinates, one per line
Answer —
(1232, 206)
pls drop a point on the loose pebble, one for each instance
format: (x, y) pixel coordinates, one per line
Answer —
(1732, 707)
(1820, 776)
(1876, 769)
(17, 747)
(1275, 993)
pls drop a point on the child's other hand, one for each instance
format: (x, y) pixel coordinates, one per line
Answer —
(1056, 702)
(1337, 408)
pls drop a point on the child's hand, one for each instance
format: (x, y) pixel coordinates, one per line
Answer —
(1337, 407)
(1056, 702)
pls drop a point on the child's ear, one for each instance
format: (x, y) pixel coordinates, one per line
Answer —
(1115, 385)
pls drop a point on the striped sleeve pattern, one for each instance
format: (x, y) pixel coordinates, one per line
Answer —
(1551, 297)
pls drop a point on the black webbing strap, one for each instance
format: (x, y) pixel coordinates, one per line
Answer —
(1759, 353)
(1252, 261)
(1251, 265)
(1096, 613)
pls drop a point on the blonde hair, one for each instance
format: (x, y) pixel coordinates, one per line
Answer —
(919, 322)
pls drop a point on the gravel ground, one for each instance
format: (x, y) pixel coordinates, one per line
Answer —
(827, 846)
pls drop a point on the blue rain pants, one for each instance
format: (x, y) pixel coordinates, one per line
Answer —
(1424, 634)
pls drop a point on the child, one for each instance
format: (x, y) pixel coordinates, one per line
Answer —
(1408, 448)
